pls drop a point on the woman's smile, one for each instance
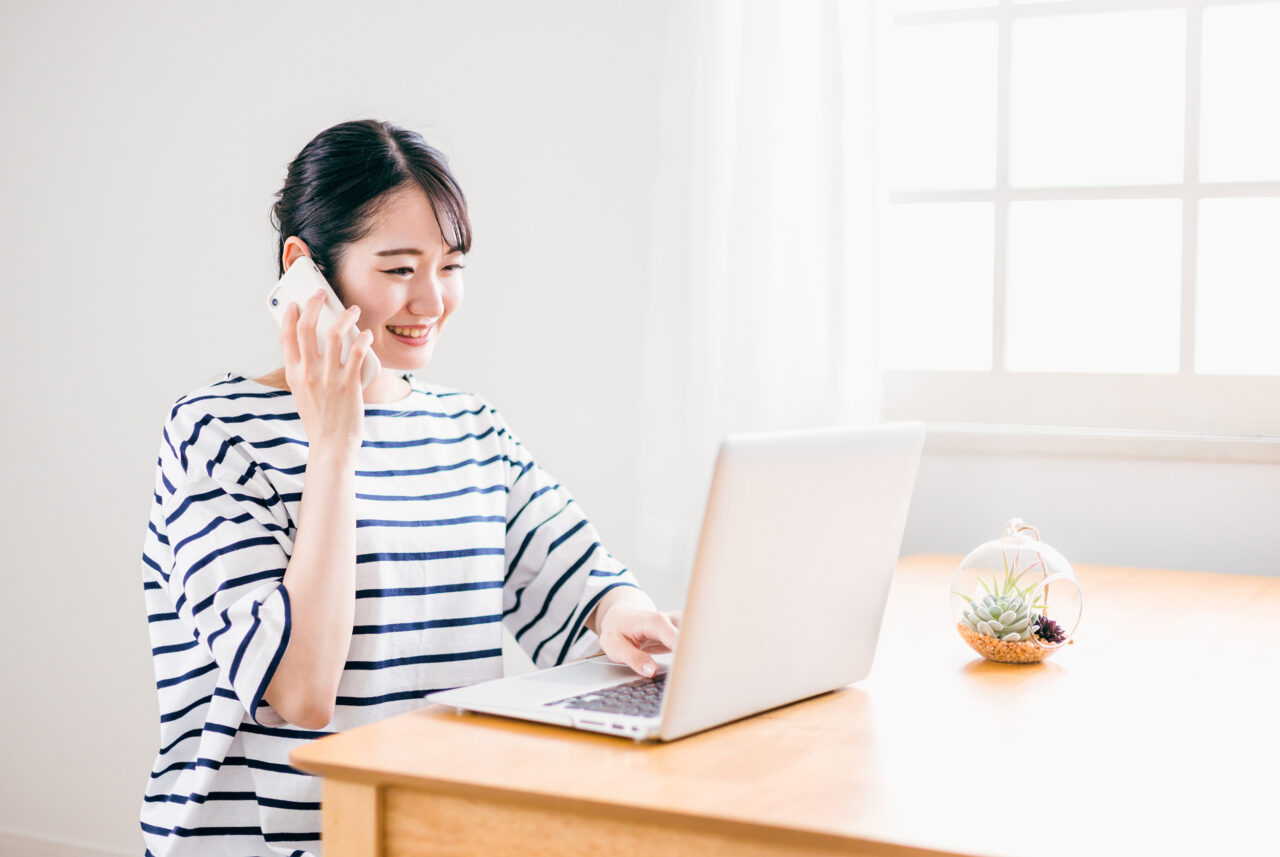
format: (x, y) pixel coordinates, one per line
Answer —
(412, 335)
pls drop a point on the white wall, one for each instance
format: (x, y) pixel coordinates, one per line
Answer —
(142, 145)
(1196, 515)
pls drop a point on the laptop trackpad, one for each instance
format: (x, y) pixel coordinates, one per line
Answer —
(586, 674)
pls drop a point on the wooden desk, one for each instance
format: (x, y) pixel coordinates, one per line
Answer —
(1155, 733)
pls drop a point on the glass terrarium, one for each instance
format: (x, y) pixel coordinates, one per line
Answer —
(1016, 599)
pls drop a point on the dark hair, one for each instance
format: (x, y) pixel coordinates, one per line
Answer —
(339, 182)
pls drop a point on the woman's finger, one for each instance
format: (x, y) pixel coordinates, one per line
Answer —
(359, 348)
(634, 657)
(657, 626)
(638, 634)
(307, 339)
(289, 334)
(333, 347)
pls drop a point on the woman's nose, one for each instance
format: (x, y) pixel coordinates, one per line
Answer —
(429, 299)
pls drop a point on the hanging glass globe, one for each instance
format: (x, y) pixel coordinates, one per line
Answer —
(1016, 599)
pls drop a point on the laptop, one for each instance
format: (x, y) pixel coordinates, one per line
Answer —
(800, 537)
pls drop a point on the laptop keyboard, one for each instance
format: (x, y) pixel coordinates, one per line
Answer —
(642, 698)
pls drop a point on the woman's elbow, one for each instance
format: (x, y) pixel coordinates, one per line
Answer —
(313, 717)
(306, 710)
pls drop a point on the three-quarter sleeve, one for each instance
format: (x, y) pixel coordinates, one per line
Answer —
(228, 533)
(556, 568)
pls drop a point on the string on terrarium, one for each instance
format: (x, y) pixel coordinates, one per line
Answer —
(1019, 527)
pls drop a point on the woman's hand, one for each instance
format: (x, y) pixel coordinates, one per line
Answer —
(328, 394)
(630, 627)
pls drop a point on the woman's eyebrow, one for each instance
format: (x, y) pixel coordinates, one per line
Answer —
(412, 251)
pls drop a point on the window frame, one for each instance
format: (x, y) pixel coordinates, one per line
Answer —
(1184, 402)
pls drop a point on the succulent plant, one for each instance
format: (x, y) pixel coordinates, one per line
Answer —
(1048, 630)
(1005, 617)
(1004, 611)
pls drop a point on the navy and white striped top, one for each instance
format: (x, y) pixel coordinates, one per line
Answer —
(458, 532)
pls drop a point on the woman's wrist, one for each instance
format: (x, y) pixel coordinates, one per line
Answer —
(629, 596)
(329, 452)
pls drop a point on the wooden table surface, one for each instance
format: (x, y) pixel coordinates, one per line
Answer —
(1155, 732)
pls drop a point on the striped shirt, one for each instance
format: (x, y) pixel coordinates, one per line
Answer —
(458, 533)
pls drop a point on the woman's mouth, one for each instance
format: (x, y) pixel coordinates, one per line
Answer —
(412, 335)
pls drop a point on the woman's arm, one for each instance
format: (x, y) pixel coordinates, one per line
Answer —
(320, 580)
(320, 577)
(560, 583)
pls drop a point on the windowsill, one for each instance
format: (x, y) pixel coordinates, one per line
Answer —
(1048, 441)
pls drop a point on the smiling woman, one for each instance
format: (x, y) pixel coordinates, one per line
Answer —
(322, 555)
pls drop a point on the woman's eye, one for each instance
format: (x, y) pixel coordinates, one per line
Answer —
(409, 271)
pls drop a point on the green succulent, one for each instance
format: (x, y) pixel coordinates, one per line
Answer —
(1004, 611)
(1005, 617)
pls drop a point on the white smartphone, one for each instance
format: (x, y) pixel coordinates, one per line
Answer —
(297, 285)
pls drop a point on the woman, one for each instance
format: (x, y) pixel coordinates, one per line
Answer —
(321, 556)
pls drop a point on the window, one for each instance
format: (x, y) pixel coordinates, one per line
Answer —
(1079, 220)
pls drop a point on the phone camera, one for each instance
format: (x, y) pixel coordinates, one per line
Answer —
(275, 302)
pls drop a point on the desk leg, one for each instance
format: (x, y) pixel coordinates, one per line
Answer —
(351, 819)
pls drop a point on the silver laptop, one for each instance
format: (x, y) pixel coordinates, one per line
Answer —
(799, 541)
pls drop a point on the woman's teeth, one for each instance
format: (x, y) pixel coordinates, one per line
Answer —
(412, 332)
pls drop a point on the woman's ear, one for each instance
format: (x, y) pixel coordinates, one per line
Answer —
(293, 248)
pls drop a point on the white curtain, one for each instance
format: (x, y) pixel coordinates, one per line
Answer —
(759, 311)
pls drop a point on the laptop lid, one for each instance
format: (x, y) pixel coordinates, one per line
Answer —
(799, 540)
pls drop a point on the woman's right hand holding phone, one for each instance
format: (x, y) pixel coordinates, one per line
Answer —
(328, 394)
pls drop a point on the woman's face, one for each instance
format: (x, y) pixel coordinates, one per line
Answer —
(403, 276)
